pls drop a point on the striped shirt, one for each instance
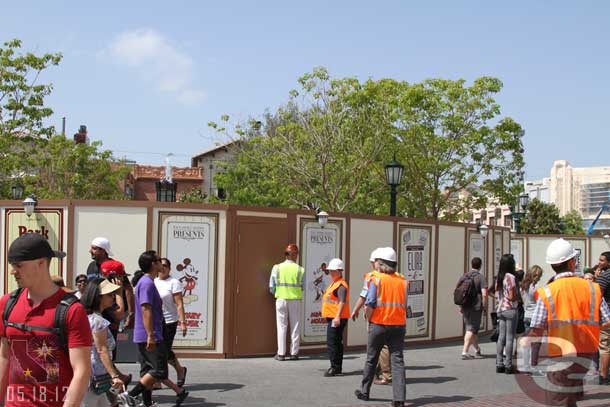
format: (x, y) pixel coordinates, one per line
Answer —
(604, 283)
(540, 315)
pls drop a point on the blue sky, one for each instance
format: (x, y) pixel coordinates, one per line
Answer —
(146, 77)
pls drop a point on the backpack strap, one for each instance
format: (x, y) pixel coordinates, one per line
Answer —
(61, 316)
(10, 304)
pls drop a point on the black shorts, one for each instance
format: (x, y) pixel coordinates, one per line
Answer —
(154, 362)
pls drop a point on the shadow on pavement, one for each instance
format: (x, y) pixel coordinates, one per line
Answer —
(436, 380)
(354, 373)
(430, 367)
(190, 401)
(222, 387)
(422, 401)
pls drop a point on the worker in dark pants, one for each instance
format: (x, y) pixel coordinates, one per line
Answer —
(386, 311)
(335, 308)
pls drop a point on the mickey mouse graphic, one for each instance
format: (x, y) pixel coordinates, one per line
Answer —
(189, 280)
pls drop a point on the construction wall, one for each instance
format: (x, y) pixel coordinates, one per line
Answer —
(223, 256)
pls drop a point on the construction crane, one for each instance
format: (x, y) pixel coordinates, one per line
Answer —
(592, 226)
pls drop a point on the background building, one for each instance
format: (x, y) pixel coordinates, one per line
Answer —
(210, 160)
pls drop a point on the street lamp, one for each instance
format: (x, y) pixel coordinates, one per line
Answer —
(393, 174)
(29, 204)
(322, 217)
(17, 191)
(483, 229)
(518, 211)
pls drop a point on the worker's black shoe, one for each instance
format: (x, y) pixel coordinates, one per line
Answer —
(332, 372)
(281, 358)
(398, 404)
(294, 357)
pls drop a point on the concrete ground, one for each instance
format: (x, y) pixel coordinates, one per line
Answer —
(436, 376)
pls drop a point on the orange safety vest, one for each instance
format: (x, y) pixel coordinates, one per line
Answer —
(330, 302)
(391, 299)
(573, 315)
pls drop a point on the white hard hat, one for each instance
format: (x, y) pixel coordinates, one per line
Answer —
(386, 253)
(374, 255)
(560, 251)
(335, 264)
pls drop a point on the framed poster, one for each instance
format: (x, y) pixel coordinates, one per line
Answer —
(318, 246)
(414, 260)
(476, 248)
(48, 222)
(189, 241)
(498, 252)
(516, 249)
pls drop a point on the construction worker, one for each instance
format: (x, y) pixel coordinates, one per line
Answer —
(569, 312)
(386, 311)
(335, 308)
(365, 288)
(287, 284)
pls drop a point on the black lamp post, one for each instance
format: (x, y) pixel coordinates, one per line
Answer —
(518, 211)
(166, 191)
(393, 174)
(17, 191)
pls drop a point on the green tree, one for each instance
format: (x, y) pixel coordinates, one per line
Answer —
(571, 223)
(541, 219)
(323, 148)
(453, 141)
(61, 169)
(328, 145)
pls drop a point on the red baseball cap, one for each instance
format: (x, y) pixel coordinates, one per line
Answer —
(112, 267)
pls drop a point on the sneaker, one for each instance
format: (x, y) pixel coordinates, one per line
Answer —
(281, 358)
(294, 357)
(509, 370)
(126, 400)
(499, 369)
(478, 354)
(361, 396)
(181, 397)
(467, 356)
(604, 381)
(398, 404)
(331, 372)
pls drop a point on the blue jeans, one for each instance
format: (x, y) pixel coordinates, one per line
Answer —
(507, 327)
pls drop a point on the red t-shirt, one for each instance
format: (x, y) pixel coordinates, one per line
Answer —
(39, 370)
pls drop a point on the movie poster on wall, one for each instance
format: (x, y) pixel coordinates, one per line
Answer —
(319, 246)
(415, 266)
(477, 249)
(189, 242)
(45, 222)
(516, 249)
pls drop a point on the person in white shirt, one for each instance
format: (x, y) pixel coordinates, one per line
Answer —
(170, 291)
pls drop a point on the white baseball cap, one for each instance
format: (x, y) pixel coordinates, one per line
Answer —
(102, 243)
(336, 264)
(386, 253)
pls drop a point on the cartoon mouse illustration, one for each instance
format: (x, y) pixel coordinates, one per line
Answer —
(189, 280)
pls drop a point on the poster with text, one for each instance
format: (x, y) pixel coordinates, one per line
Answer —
(415, 266)
(46, 222)
(476, 249)
(497, 252)
(320, 245)
(189, 242)
(516, 249)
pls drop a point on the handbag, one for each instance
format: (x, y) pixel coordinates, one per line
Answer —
(520, 319)
(101, 384)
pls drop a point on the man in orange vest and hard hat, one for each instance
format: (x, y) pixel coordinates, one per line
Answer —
(335, 308)
(286, 284)
(386, 311)
(569, 312)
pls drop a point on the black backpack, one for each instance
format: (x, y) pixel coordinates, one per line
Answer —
(465, 293)
(59, 324)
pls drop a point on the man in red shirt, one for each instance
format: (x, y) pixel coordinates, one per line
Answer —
(34, 368)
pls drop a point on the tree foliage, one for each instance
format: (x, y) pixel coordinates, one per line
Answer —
(571, 223)
(50, 166)
(195, 195)
(541, 218)
(328, 145)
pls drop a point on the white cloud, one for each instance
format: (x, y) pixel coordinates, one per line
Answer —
(157, 61)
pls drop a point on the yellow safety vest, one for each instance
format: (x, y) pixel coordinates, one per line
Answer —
(288, 278)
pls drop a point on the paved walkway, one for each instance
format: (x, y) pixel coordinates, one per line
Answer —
(436, 376)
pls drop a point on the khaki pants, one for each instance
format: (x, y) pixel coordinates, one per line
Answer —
(384, 367)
